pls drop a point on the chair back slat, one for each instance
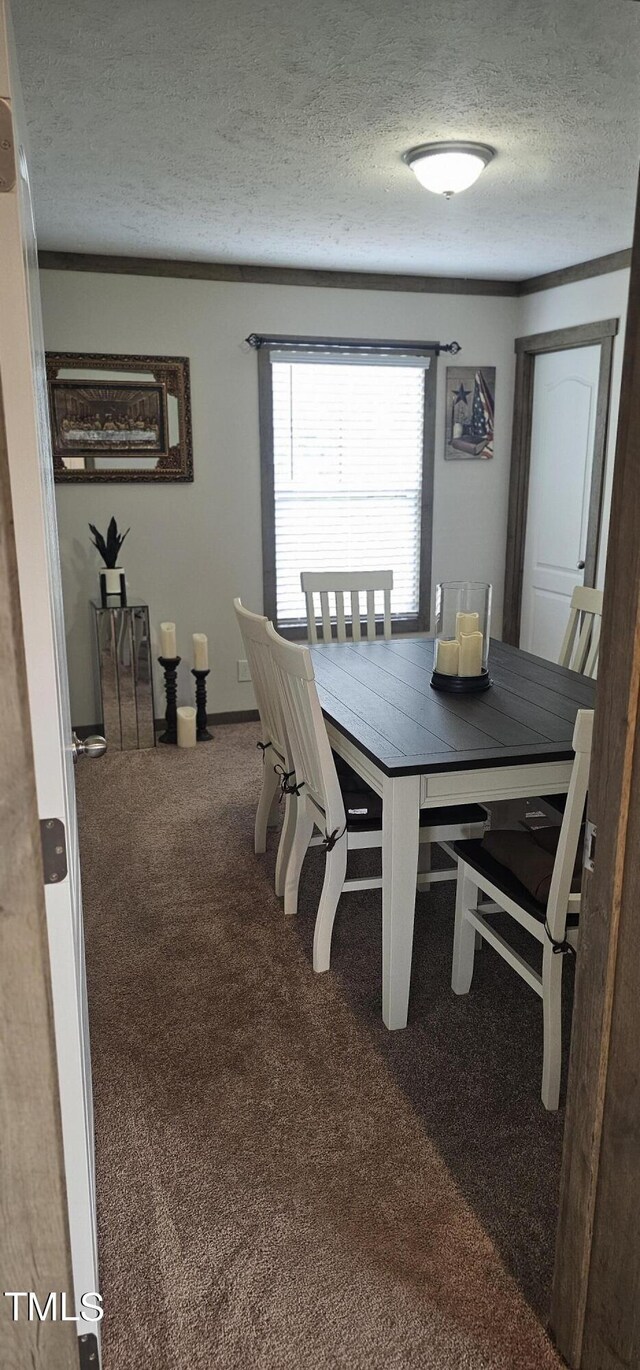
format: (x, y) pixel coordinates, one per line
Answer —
(581, 650)
(591, 664)
(253, 629)
(297, 713)
(387, 613)
(309, 747)
(581, 642)
(371, 613)
(355, 615)
(326, 616)
(568, 639)
(311, 617)
(562, 877)
(340, 583)
(341, 625)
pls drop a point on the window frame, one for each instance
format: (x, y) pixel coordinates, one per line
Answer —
(406, 623)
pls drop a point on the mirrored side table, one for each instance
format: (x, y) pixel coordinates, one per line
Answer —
(126, 674)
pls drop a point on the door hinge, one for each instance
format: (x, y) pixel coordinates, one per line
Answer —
(88, 1348)
(7, 157)
(590, 834)
(54, 850)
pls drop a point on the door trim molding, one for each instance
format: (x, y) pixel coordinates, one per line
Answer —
(527, 349)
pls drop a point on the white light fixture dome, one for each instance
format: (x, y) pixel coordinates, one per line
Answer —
(446, 168)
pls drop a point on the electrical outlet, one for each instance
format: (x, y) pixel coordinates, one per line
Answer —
(243, 671)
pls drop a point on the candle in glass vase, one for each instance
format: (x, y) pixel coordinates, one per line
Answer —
(466, 623)
(447, 656)
(186, 726)
(470, 654)
(168, 639)
(200, 652)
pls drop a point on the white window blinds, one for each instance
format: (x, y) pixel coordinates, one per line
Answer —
(347, 456)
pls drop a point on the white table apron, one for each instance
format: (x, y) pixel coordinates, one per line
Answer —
(402, 799)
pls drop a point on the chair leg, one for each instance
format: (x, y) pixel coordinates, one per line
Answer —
(265, 803)
(552, 1022)
(274, 812)
(424, 866)
(334, 878)
(301, 839)
(464, 938)
(285, 843)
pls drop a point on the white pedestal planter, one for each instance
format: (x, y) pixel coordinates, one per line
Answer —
(113, 585)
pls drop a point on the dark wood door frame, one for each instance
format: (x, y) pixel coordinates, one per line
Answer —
(596, 1292)
(527, 349)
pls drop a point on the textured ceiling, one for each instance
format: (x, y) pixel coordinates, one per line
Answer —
(271, 133)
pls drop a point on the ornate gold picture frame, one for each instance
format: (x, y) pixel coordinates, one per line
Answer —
(119, 417)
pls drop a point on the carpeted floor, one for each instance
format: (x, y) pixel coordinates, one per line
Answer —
(282, 1183)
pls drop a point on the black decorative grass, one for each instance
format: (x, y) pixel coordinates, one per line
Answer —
(109, 547)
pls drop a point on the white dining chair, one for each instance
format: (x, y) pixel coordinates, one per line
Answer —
(533, 875)
(342, 808)
(581, 643)
(353, 584)
(253, 629)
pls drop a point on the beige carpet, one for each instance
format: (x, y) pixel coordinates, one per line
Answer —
(281, 1182)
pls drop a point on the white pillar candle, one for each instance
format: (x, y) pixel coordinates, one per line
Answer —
(470, 654)
(200, 652)
(466, 623)
(186, 726)
(447, 655)
(168, 639)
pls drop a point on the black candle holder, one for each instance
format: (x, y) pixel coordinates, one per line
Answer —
(170, 667)
(461, 684)
(202, 732)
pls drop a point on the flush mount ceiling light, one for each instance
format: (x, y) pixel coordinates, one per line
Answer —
(446, 168)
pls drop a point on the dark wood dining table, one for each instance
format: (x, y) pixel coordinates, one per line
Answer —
(420, 748)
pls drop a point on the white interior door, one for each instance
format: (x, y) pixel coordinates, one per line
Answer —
(565, 392)
(32, 492)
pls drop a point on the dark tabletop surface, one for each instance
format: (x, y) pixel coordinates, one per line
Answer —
(378, 694)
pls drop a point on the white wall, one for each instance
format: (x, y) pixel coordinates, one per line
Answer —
(193, 547)
(604, 297)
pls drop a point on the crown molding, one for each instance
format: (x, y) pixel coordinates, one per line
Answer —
(273, 275)
(582, 271)
(102, 263)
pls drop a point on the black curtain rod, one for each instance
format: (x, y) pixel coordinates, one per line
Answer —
(258, 340)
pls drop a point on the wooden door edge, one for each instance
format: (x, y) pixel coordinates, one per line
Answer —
(36, 1251)
(606, 898)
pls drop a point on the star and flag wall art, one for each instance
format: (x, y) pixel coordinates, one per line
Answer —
(470, 413)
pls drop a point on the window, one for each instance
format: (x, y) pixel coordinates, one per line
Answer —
(347, 435)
